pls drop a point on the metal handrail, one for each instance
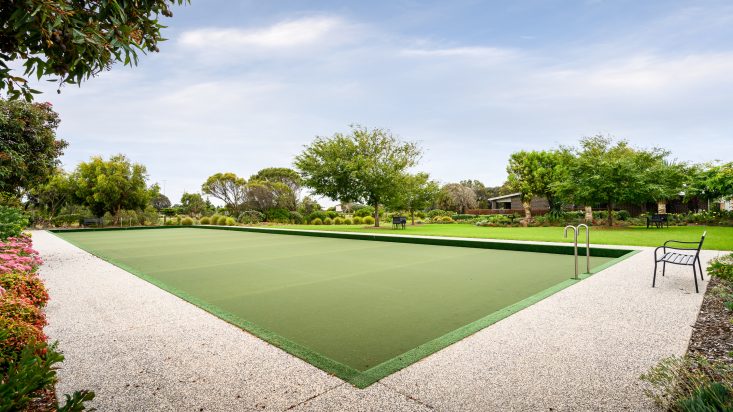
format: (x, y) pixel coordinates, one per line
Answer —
(587, 246)
(575, 244)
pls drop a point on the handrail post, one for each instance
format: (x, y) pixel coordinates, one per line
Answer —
(575, 245)
(587, 246)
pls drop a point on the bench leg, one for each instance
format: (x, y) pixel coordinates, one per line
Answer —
(694, 272)
(664, 267)
(654, 279)
(699, 265)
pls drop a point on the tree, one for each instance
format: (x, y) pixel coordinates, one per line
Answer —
(534, 174)
(418, 193)
(111, 185)
(609, 172)
(263, 195)
(482, 192)
(284, 175)
(158, 200)
(455, 196)
(29, 149)
(308, 205)
(74, 40)
(51, 196)
(229, 188)
(193, 204)
(362, 166)
(710, 181)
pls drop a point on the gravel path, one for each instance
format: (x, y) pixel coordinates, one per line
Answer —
(142, 349)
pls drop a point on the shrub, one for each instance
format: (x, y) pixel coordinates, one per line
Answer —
(251, 217)
(338, 221)
(438, 212)
(317, 221)
(205, 220)
(368, 220)
(221, 221)
(348, 221)
(296, 218)
(690, 383)
(420, 214)
(278, 215)
(446, 219)
(18, 335)
(364, 211)
(332, 214)
(215, 219)
(230, 221)
(21, 309)
(722, 267)
(317, 214)
(26, 286)
(12, 222)
(358, 220)
(187, 221)
(170, 222)
(328, 221)
(66, 220)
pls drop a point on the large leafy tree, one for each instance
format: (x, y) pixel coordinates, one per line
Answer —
(73, 40)
(284, 175)
(455, 196)
(483, 193)
(363, 166)
(263, 195)
(535, 173)
(710, 181)
(418, 192)
(111, 185)
(604, 171)
(29, 149)
(53, 195)
(193, 204)
(229, 188)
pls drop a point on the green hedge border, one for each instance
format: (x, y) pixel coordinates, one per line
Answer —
(363, 379)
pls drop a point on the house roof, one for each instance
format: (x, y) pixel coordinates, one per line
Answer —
(504, 197)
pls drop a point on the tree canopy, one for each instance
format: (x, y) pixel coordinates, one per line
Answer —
(363, 166)
(710, 181)
(418, 192)
(284, 175)
(74, 40)
(535, 173)
(455, 196)
(229, 188)
(111, 185)
(29, 149)
(193, 204)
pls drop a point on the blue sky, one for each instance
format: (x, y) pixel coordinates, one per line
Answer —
(242, 85)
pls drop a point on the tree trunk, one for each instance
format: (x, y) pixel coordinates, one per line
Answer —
(412, 217)
(527, 212)
(376, 214)
(610, 214)
(589, 214)
(662, 207)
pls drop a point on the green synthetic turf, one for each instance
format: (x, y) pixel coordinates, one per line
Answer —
(359, 309)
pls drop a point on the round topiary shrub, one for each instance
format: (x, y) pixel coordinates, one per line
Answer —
(215, 219)
(446, 219)
(317, 221)
(205, 220)
(368, 220)
(348, 221)
(328, 221)
(221, 221)
(187, 221)
(296, 218)
(358, 220)
(338, 221)
(230, 221)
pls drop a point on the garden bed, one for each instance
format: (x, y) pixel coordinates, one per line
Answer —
(712, 336)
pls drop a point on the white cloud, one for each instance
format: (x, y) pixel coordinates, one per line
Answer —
(483, 53)
(303, 32)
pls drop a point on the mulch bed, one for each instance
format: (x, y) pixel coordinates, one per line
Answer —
(712, 336)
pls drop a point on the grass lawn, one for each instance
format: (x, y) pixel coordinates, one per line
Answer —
(719, 237)
(359, 309)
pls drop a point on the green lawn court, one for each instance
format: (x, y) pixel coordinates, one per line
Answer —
(359, 309)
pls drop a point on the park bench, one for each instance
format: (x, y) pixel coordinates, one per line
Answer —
(687, 256)
(399, 221)
(657, 220)
(96, 221)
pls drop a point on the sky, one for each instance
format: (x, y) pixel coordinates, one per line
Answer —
(243, 85)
